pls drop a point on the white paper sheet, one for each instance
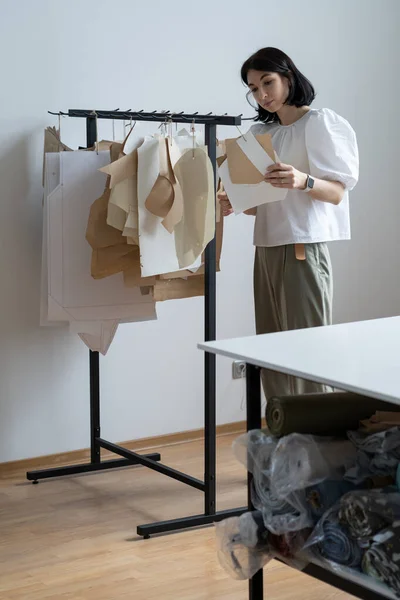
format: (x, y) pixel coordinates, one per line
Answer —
(97, 335)
(255, 152)
(245, 196)
(51, 182)
(73, 293)
(157, 246)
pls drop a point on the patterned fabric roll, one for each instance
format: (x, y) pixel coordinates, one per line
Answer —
(382, 560)
(338, 546)
(324, 495)
(377, 454)
(365, 513)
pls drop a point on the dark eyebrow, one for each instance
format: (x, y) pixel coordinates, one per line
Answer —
(261, 79)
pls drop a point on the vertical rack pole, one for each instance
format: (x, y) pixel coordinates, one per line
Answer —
(94, 365)
(94, 359)
(210, 359)
(253, 417)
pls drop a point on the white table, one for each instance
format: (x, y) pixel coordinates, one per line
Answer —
(361, 357)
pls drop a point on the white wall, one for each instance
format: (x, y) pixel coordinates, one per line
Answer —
(100, 54)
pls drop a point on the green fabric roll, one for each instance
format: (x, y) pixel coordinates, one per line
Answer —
(320, 414)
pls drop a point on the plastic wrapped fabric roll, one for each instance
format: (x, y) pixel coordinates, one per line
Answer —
(254, 449)
(243, 547)
(300, 461)
(337, 546)
(294, 517)
(377, 454)
(320, 414)
(281, 515)
(365, 513)
(332, 541)
(382, 560)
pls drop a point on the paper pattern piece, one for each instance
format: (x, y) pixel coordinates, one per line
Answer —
(97, 335)
(165, 199)
(73, 293)
(239, 151)
(196, 229)
(122, 207)
(98, 233)
(51, 182)
(157, 246)
(255, 153)
(248, 195)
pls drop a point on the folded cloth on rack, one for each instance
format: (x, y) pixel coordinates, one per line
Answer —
(334, 542)
(377, 454)
(242, 543)
(366, 512)
(319, 414)
(300, 460)
(382, 560)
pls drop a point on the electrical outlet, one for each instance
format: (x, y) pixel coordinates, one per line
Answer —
(238, 369)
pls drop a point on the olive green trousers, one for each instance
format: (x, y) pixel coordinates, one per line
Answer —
(292, 294)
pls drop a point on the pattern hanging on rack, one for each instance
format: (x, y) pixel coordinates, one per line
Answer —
(72, 294)
(157, 245)
(181, 202)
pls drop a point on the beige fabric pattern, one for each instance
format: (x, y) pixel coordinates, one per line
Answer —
(195, 175)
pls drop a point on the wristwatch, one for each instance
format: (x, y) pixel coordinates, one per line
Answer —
(309, 184)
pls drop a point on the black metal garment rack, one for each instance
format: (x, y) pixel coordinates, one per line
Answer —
(129, 458)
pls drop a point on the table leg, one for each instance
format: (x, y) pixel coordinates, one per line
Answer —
(253, 415)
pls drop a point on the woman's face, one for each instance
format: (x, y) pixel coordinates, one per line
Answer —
(269, 90)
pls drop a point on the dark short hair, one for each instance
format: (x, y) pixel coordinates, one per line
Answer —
(272, 60)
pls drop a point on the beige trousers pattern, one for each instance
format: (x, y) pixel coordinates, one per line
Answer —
(292, 294)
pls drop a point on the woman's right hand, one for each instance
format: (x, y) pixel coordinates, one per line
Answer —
(226, 206)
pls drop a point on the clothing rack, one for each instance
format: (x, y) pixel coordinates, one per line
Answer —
(152, 461)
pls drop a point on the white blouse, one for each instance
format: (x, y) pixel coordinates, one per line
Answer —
(324, 145)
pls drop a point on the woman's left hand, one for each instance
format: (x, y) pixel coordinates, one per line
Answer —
(280, 175)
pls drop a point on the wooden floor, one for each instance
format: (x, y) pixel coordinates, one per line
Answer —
(76, 538)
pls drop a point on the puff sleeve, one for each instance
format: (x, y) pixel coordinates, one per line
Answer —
(332, 148)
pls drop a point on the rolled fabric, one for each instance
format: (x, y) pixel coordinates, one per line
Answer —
(320, 414)
(264, 499)
(382, 560)
(303, 460)
(288, 544)
(337, 545)
(294, 517)
(254, 449)
(322, 496)
(365, 513)
(377, 454)
(243, 547)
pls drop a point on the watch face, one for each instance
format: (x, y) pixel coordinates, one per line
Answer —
(310, 183)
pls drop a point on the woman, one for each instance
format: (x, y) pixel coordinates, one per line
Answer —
(319, 165)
